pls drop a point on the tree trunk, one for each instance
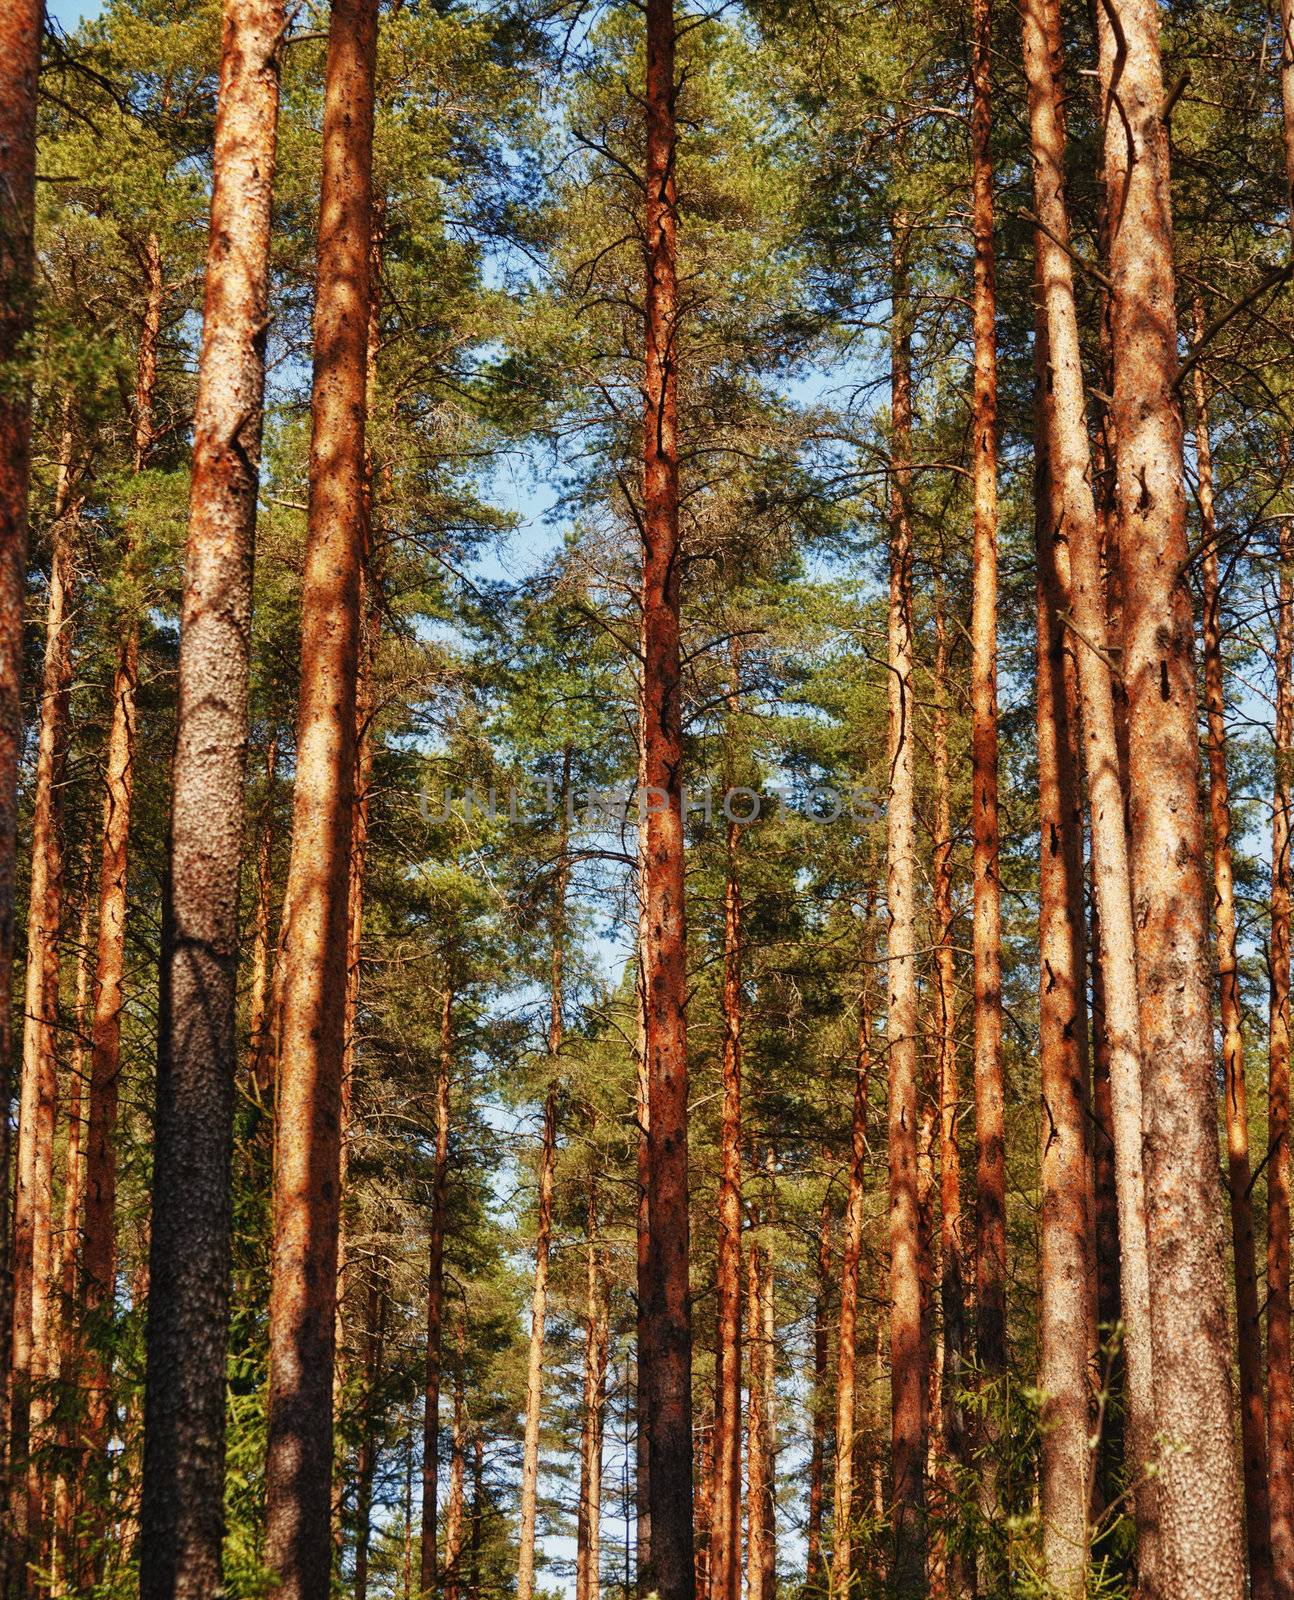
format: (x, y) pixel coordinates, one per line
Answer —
(1280, 1446)
(33, 1234)
(182, 1515)
(1069, 467)
(757, 1441)
(847, 1335)
(20, 39)
(813, 1567)
(990, 1145)
(951, 1422)
(1062, 1026)
(1202, 1537)
(454, 1506)
(477, 1517)
(535, 1354)
(1253, 1422)
(307, 1142)
(596, 1327)
(262, 1085)
(908, 1359)
(725, 1531)
(435, 1297)
(669, 1310)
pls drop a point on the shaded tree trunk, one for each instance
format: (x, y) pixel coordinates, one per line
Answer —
(908, 1357)
(454, 1505)
(307, 1142)
(259, 1055)
(366, 1466)
(668, 1300)
(1253, 1422)
(813, 1566)
(435, 1297)
(588, 1566)
(1201, 1534)
(182, 1513)
(20, 36)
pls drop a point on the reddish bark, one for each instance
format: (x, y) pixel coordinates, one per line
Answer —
(813, 1567)
(32, 1346)
(1253, 1421)
(307, 1142)
(1280, 1406)
(668, 1309)
(20, 35)
(760, 1563)
(1201, 1534)
(908, 1356)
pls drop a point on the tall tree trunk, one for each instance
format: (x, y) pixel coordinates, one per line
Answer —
(725, 1530)
(535, 1353)
(307, 1143)
(1062, 1026)
(436, 1293)
(990, 1185)
(263, 938)
(33, 1202)
(1069, 468)
(951, 1422)
(596, 1328)
(1280, 1446)
(847, 1335)
(182, 1516)
(477, 1516)
(1202, 1536)
(757, 1442)
(669, 1309)
(20, 37)
(813, 1566)
(908, 1359)
(1253, 1422)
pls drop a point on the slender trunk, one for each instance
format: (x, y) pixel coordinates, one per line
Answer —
(847, 1335)
(725, 1531)
(20, 39)
(182, 1513)
(307, 1153)
(1280, 1445)
(1202, 1536)
(1062, 1026)
(366, 1467)
(596, 1329)
(1253, 1422)
(535, 1354)
(669, 1310)
(813, 1567)
(990, 1187)
(908, 1361)
(477, 1517)
(33, 1201)
(1061, 389)
(757, 1497)
(454, 1505)
(435, 1298)
(952, 1293)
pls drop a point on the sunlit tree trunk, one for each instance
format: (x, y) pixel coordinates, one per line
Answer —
(588, 1567)
(366, 1466)
(308, 1098)
(908, 1358)
(1202, 1540)
(33, 1202)
(1253, 1422)
(758, 1452)
(454, 1503)
(813, 1566)
(668, 1312)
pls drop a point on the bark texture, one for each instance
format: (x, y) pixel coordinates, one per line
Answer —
(435, 1295)
(1202, 1540)
(182, 1515)
(307, 1143)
